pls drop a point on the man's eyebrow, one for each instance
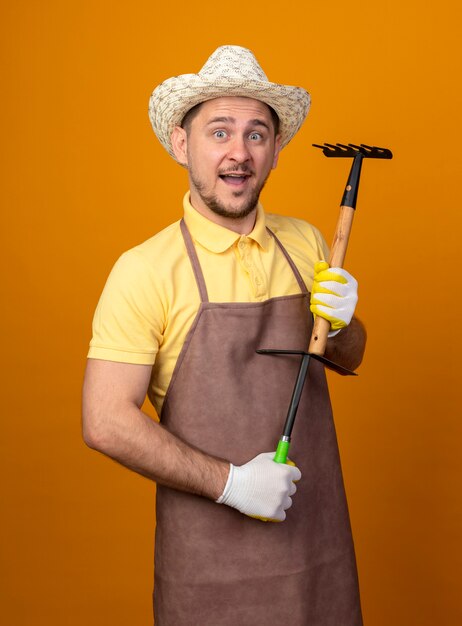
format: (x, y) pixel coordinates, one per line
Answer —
(232, 120)
(258, 122)
(214, 120)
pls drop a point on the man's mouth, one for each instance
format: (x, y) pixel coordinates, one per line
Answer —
(236, 178)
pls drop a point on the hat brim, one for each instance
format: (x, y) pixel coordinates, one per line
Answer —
(172, 99)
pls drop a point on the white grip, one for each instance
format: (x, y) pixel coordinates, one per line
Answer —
(261, 488)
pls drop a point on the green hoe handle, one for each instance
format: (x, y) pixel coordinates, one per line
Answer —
(282, 451)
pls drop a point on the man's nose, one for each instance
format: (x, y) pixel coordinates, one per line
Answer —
(239, 150)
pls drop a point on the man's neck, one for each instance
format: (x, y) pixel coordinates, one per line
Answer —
(242, 226)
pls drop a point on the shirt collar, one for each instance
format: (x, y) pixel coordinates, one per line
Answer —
(218, 238)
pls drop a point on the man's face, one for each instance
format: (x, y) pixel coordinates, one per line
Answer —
(229, 149)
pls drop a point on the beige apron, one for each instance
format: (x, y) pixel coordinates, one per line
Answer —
(213, 565)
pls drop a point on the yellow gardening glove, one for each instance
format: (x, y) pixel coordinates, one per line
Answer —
(333, 296)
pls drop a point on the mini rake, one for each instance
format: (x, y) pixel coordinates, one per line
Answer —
(321, 326)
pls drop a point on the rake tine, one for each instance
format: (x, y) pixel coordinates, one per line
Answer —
(343, 147)
(337, 150)
(349, 149)
(327, 148)
(382, 153)
(373, 152)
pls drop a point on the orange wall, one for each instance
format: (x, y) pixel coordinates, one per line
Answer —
(83, 178)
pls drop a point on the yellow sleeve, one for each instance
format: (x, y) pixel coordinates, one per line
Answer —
(129, 319)
(323, 248)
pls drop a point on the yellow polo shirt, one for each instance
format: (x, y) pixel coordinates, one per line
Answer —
(151, 298)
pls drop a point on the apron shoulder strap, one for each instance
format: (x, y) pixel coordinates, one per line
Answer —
(194, 262)
(294, 268)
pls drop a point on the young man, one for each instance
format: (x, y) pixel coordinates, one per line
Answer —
(181, 318)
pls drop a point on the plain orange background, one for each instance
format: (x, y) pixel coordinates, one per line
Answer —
(83, 178)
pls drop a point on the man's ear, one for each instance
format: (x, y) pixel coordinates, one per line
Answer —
(277, 150)
(179, 141)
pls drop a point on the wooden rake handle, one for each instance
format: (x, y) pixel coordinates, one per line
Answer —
(339, 247)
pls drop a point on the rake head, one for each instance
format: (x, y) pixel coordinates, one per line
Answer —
(351, 150)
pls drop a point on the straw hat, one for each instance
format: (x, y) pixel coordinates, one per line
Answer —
(229, 71)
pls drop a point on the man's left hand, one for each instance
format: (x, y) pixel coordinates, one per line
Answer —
(334, 295)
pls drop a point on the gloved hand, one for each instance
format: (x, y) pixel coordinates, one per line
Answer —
(261, 488)
(333, 296)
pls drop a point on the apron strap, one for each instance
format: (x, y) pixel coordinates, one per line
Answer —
(194, 262)
(297, 274)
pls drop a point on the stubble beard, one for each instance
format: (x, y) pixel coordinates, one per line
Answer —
(219, 208)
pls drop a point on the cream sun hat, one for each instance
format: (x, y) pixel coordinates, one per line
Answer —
(229, 71)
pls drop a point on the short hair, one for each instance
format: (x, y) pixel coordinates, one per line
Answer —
(191, 114)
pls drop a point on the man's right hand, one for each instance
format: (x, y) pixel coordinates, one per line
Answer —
(261, 488)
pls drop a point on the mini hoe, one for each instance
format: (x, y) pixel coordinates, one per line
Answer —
(321, 326)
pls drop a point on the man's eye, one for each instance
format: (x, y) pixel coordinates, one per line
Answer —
(220, 134)
(255, 136)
